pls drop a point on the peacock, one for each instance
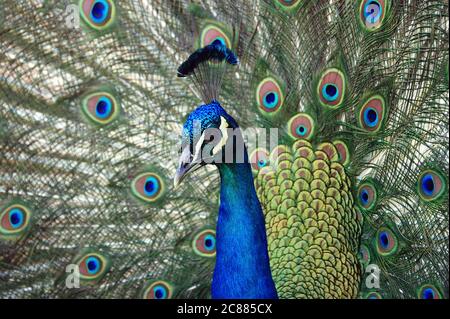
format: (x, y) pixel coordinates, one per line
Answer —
(160, 149)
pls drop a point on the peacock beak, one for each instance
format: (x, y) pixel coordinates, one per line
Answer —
(185, 166)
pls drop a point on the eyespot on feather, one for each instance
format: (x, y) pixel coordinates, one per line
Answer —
(204, 243)
(386, 242)
(92, 266)
(367, 195)
(331, 88)
(302, 126)
(98, 14)
(373, 295)
(212, 33)
(372, 14)
(14, 220)
(269, 96)
(158, 289)
(259, 159)
(343, 152)
(100, 108)
(428, 291)
(288, 5)
(372, 114)
(431, 185)
(364, 255)
(148, 187)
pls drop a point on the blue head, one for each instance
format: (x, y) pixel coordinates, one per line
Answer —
(206, 136)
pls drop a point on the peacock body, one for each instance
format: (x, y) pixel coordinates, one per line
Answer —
(350, 202)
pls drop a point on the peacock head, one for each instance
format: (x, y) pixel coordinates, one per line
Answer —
(210, 136)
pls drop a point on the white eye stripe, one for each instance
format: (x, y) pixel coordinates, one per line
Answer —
(198, 147)
(223, 130)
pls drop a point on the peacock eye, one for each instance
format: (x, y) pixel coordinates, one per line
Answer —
(288, 2)
(148, 187)
(301, 130)
(270, 99)
(370, 117)
(431, 185)
(98, 14)
(373, 295)
(158, 290)
(14, 220)
(364, 255)
(100, 108)
(288, 5)
(259, 158)
(301, 126)
(372, 13)
(386, 242)
(372, 114)
(330, 92)
(331, 88)
(92, 266)
(429, 292)
(343, 152)
(367, 196)
(364, 196)
(204, 243)
(209, 242)
(269, 96)
(212, 34)
(262, 163)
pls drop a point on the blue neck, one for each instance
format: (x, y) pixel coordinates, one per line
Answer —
(242, 263)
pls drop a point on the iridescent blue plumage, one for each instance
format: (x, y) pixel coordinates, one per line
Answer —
(384, 240)
(370, 117)
(103, 108)
(160, 292)
(151, 186)
(330, 92)
(99, 12)
(93, 265)
(364, 197)
(206, 116)
(16, 218)
(428, 184)
(242, 262)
